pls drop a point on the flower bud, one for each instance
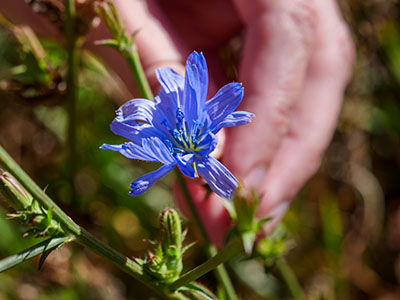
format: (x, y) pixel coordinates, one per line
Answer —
(17, 196)
(172, 237)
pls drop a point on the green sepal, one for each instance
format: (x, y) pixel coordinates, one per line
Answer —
(18, 196)
(248, 239)
(39, 220)
(242, 210)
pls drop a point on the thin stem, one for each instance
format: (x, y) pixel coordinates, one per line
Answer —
(47, 245)
(82, 236)
(192, 208)
(289, 278)
(222, 274)
(139, 76)
(234, 248)
(72, 80)
(220, 271)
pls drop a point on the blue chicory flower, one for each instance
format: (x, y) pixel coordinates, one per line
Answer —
(179, 127)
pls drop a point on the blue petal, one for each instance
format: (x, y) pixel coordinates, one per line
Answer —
(224, 102)
(130, 150)
(207, 144)
(111, 147)
(184, 164)
(195, 91)
(220, 180)
(136, 110)
(151, 149)
(143, 183)
(170, 81)
(155, 148)
(171, 94)
(234, 119)
(140, 118)
(135, 132)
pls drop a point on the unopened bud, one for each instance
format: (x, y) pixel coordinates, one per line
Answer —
(18, 197)
(172, 237)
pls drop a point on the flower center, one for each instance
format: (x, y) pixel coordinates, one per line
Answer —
(185, 139)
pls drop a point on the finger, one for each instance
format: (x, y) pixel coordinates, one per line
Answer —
(315, 114)
(275, 57)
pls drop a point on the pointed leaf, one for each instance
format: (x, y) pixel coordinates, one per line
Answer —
(43, 258)
(200, 292)
(47, 245)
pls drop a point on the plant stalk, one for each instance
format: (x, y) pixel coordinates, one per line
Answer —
(139, 76)
(80, 234)
(234, 248)
(71, 95)
(289, 278)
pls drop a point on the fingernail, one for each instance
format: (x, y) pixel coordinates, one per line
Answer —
(254, 177)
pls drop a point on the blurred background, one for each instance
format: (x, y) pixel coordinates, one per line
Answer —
(343, 230)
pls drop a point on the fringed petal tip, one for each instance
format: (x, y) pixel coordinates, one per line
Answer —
(111, 147)
(143, 183)
(218, 177)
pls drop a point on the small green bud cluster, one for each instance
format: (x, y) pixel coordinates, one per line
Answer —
(243, 211)
(274, 246)
(121, 41)
(29, 212)
(165, 264)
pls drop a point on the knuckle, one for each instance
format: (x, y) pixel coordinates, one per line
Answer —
(342, 56)
(280, 116)
(297, 18)
(303, 15)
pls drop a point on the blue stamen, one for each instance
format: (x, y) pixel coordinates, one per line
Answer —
(169, 146)
(179, 118)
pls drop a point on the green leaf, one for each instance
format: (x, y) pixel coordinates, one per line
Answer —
(43, 258)
(41, 248)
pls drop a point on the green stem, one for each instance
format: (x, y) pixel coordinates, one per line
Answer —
(192, 208)
(47, 245)
(81, 235)
(233, 249)
(220, 271)
(139, 76)
(289, 278)
(72, 80)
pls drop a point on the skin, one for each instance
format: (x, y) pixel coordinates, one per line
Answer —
(295, 64)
